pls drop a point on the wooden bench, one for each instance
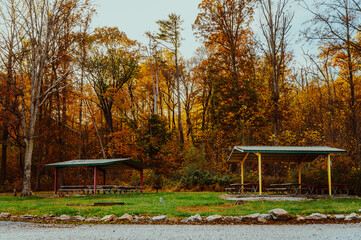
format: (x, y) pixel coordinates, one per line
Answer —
(73, 189)
(276, 190)
(130, 189)
(230, 190)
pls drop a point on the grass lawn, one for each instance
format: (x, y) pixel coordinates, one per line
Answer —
(177, 204)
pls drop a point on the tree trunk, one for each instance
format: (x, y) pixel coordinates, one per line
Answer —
(180, 127)
(29, 147)
(4, 147)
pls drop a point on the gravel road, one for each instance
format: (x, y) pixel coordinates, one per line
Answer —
(24, 231)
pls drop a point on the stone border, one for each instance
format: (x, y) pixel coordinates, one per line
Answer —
(268, 197)
(275, 216)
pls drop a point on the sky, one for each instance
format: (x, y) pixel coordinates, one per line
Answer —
(135, 17)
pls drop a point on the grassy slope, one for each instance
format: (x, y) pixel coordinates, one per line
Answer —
(175, 204)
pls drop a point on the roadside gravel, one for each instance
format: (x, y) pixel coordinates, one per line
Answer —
(24, 231)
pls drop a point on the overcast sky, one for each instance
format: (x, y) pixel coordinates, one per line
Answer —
(135, 17)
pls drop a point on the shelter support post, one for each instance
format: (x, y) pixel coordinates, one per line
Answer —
(259, 172)
(55, 181)
(329, 173)
(242, 178)
(141, 179)
(242, 170)
(95, 179)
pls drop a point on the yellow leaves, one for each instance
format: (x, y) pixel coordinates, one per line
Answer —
(112, 37)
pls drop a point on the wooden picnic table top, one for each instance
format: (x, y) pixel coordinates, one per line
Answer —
(99, 187)
(238, 184)
(242, 184)
(285, 184)
(74, 186)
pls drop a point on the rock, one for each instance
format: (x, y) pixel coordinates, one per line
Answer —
(108, 218)
(261, 220)
(359, 210)
(352, 216)
(89, 220)
(195, 218)
(266, 216)
(299, 218)
(214, 218)
(316, 216)
(339, 217)
(184, 220)
(229, 218)
(280, 214)
(79, 218)
(65, 217)
(161, 200)
(92, 219)
(13, 218)
(26, 217)
(5, 215)
(329, 216)
(126, 217)
(160, 218)
(46, 216)
(251, 217)
(174, 220)
(148, 219)
(135, 218)
(239, 219)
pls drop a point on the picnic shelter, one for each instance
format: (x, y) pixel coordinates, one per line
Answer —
(295, 154)
(100, 165)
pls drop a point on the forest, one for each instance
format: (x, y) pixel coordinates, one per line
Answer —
(69, 91)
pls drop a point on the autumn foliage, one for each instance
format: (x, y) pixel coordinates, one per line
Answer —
(109, 96)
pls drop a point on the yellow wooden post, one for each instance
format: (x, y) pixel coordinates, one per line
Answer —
(259, 173)
(242, 178)
(329, 173)
(242, 170)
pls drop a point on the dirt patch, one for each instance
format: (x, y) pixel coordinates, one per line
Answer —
(207, 208)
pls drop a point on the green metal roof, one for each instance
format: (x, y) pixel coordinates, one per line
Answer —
(125, 163)
(281, 153)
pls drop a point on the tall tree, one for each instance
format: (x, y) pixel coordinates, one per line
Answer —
(112, 62)
(9, 96)
(42, 22)
(225, 23)
(224, 26)
(335, 24)
(169, 36)
(83, 39)
(275, 25)
(154, 62)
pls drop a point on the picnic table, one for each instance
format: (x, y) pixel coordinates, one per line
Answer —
(105, 189)
(73, 189)
(309, 188)
(241, 187)
(336, 188)
(288, 188)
